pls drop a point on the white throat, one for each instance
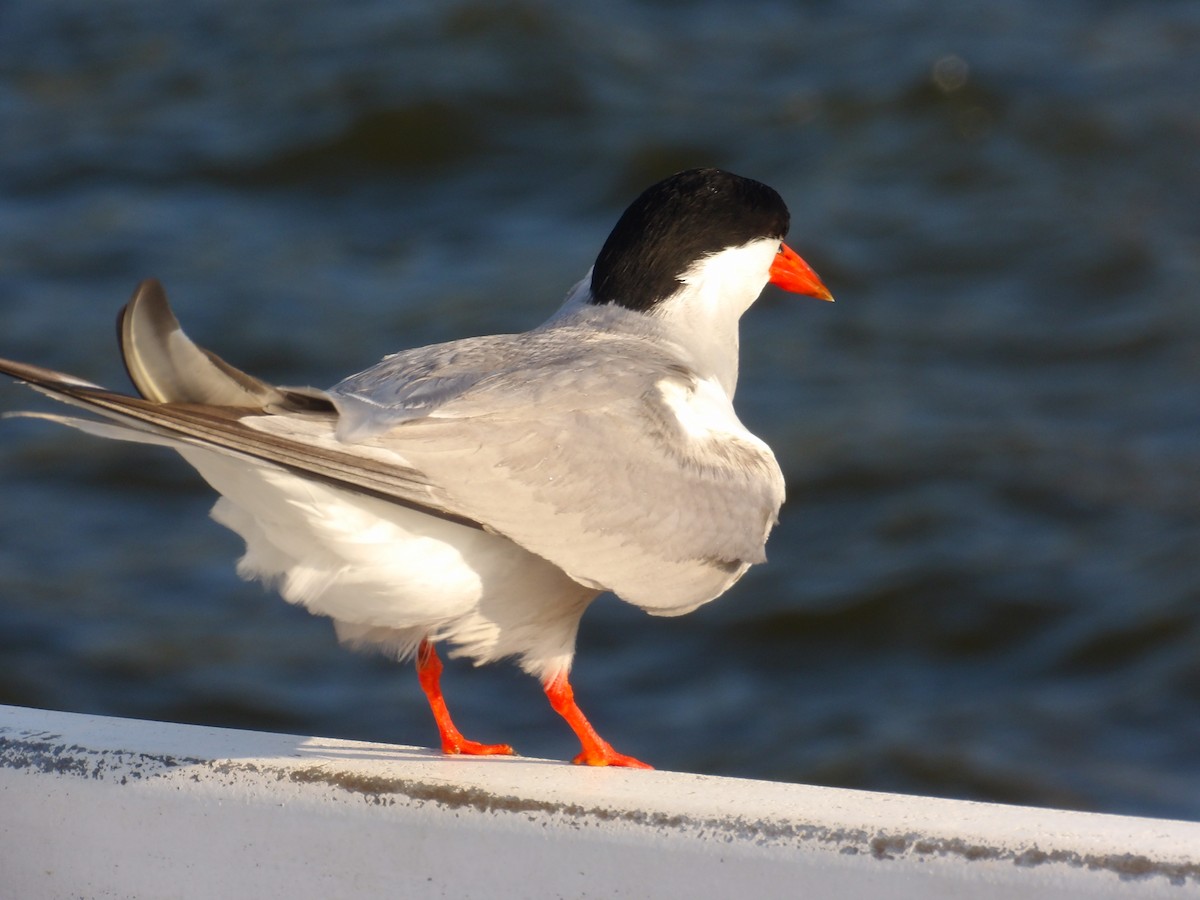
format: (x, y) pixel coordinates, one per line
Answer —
(703, 314)
(701, 318)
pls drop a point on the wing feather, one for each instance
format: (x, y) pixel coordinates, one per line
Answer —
(593, 447)
(229, 430)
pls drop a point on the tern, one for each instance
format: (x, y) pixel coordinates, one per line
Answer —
(481, 493)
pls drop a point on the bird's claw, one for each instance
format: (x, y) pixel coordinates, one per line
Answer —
(463, 747)
(607, 756)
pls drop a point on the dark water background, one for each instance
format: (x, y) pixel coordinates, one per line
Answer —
(986, 582)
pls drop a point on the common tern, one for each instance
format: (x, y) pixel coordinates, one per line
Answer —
(482, 492)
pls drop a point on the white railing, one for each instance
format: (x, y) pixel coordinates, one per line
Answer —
(100, 807)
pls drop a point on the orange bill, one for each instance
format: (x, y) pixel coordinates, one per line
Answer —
(793, 274)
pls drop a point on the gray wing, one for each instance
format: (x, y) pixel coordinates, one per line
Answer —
(567, 441)
(419, 382)
(192, 397)
(306, 446)
(575, 449)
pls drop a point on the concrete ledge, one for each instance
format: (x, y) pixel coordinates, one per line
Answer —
(101, 807)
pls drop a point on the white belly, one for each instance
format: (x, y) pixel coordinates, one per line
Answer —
(390, 576)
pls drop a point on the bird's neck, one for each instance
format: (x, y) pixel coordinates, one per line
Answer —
(703, 315)
(700, 321)
(707, 331)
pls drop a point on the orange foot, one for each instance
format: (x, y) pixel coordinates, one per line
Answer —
(429, 671)
(608, 757)
(596, 751)
(455, 744)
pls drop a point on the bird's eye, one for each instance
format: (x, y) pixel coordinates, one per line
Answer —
(779, 252)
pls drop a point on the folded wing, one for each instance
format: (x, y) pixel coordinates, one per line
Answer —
(576, 452)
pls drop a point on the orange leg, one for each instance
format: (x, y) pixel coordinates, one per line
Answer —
(429, 671)
(596, 750)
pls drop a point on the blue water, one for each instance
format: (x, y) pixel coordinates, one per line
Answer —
(986, 580)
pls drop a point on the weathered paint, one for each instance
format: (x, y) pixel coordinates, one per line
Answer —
(95, 807)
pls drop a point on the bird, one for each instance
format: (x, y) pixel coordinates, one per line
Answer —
(479, 494)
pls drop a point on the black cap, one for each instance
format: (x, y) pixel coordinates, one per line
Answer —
(675, 223)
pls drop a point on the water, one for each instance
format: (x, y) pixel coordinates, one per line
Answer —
(986, 581)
